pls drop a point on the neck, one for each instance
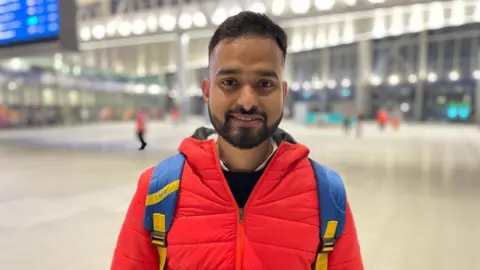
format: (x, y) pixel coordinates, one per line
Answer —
(239, 160)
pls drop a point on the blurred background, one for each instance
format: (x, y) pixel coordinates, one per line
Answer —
(420, 57)
(387, 92)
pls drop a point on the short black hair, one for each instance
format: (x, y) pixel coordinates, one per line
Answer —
(248, 23)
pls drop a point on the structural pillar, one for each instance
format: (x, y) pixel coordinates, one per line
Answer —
(183, 41)
(422, 75)
(477, 103)
(477, 93)
(364, 59)
(324, 75)
(105, 8)
(325, 58)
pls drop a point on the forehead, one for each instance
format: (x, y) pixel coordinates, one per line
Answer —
(247, 52)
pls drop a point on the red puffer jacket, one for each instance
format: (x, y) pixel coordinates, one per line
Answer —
(280, 228)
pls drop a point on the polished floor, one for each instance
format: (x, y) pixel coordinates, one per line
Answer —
(415, 193)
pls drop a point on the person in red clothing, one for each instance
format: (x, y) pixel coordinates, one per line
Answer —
(140, 127)
(248, 195)
(382, 118)
(176, 115)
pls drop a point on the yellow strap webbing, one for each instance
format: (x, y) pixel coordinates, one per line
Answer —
(159, 226)
(322, 261)
(322, 256)
(162, 193)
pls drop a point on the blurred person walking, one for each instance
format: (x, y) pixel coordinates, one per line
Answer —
(175, 115)
(141, 128)
(347, 123)
(244, 195)
(396, 118)
(382, 118)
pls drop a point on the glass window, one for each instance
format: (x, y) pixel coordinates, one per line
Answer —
(114, 5)
(142, 4)
(320, 64)
(349, 62)
(377, 61)
(432, 56)
(378, 53)
(448, 54)
(475, 57)
(170, 80)
(305, 65)
(449, 101)
(332, 64)
(317, 63)
(466, 47)
(343, 63)
(404, 51)
(465, 54)
(167, 2)
(414, 56)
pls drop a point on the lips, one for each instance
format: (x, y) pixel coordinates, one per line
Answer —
(247, 117)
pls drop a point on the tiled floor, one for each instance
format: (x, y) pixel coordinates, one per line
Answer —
(415, 194)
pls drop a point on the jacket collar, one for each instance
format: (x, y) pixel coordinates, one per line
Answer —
(202, 157)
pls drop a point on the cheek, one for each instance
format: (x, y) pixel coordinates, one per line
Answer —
(220, 103)
(217, 108)
(274, 115)
(274, 112)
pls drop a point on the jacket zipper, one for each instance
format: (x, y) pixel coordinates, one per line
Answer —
(240, 211)
(241, 215)
(240, 240)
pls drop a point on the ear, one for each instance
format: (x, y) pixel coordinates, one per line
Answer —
(285, 89)
(206, 90)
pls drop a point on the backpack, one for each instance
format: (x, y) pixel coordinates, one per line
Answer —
(162, 198)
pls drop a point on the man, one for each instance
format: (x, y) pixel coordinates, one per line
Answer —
(248, 196)
(140, 126)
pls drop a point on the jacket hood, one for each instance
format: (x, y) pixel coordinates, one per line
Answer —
(201, 152)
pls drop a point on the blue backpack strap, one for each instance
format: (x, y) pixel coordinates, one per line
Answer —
(332, 201)
(161, 202)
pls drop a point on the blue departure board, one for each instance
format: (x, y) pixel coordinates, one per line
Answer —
(26, 21)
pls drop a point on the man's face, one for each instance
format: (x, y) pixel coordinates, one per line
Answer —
(245, 91)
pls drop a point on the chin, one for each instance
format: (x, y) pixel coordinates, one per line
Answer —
(245, 145)
(245, 141)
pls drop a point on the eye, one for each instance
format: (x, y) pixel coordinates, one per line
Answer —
(229, 82)
(266, 84)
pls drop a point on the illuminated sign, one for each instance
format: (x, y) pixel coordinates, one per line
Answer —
(24, 21)
(459, 111)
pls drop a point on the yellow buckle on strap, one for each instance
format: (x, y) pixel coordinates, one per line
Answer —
(327, 246)
(328, 243)
(158, 239)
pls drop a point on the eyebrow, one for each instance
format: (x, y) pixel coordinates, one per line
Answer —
(235, 71)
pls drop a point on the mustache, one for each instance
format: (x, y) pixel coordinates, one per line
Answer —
(242, 110)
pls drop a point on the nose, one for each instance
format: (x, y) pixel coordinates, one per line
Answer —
(248, 98)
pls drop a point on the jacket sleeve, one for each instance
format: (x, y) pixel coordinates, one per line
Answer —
(134, 249)
(346, 255)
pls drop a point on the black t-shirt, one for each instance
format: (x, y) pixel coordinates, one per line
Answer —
(241, 184)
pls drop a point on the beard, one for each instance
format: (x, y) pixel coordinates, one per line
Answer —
(244, 137)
